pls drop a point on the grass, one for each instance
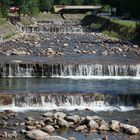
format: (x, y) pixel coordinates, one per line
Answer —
(126, 23)
(111, 34)
(26, 21)
(2, 21)
(8, 36)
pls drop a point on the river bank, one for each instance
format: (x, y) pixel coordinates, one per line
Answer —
(69, 124)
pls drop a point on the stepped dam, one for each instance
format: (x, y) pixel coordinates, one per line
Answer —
(67, 70)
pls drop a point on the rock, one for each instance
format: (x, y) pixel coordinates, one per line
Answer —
(29, 123)
(42, 123)
(115, 125)
(50, 51)
(74, 118)
(49, 129)
(37, 135)
(59, 115)
(105, 138)
(48, 120)
(71, 138)
(29, 128)
(22, 131)
(104, 128)
(62, 123)
(48, 114)
(29, 118)
(16, 124)
(93, 125)
(4, 135)
(14, 134)
(81, 128)
(5, 118)
(129, 129)
(66, 45)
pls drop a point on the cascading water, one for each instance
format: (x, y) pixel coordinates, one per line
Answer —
(96, 102)
(70, 71)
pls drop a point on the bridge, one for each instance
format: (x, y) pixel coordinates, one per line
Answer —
(58, 8)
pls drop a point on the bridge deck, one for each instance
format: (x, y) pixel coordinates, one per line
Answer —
(58, 8)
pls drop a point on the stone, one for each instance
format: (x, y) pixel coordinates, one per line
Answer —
(104, 128)
(130, 129)
(105, 138)
(59, 115)
(81, 128)
(29, 118)
(48, 120)
(62, 123)
(115, 125)
(49, 129)
(36, 135)
(5, 135)
(74, 118)
(14, 134)
(93, 125)
(50, 51)
(29, 128)
(22, 131)
(71, 138)
(48, 114)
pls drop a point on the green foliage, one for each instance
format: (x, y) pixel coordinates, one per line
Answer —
(138, 30)
(2, 21)
(125, 6)
(46, 5)
(111, 34)
(106, 8)
(4, 7)
(131, 24)
(77, 2)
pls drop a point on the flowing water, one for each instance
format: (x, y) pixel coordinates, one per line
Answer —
(107, 86)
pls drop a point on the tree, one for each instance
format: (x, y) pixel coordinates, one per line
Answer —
(4, 8)
(46, 5)
(77, 2)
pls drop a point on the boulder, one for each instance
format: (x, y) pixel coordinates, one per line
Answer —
(71, 138)
(48, 120)
(48, 114)
(49, 129)
(93, 125)
(62, 123)
(115, 125)
(81, 128)
(37, 135)
(104, 128)
(59, 115)
(14, 134)
(129, 129)
(29, 118)
(74, 118)
(30, 128)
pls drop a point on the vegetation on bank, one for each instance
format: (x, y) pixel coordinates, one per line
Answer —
(126, 30)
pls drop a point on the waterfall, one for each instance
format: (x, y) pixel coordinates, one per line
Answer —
(96, 70)
(96, 102)
(69, 70)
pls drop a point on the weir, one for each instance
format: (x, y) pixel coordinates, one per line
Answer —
(94, 101)
(65, 70)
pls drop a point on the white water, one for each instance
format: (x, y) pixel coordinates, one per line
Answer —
(65, 107)
(69, 102)
(81, 71)
(98, 77)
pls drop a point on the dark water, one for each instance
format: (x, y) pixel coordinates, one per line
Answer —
(43, 85)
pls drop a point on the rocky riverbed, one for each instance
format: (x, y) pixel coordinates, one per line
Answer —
(44, 125)
(66, 44)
